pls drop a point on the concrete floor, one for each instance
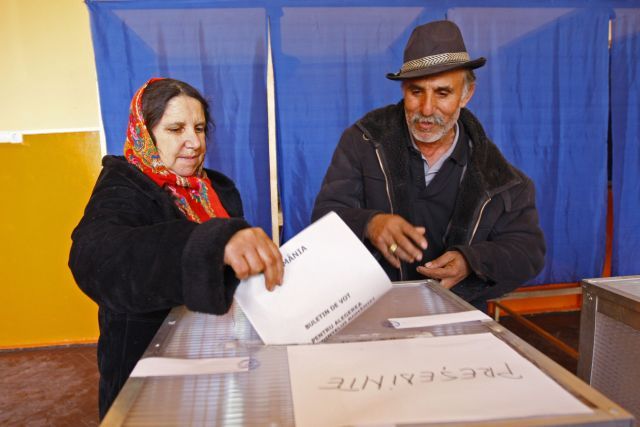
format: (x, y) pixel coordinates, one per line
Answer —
(59, 386)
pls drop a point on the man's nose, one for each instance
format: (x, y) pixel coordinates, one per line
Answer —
(428, 106)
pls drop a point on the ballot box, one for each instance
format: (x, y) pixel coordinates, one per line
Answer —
(610, 339)
(260, 389)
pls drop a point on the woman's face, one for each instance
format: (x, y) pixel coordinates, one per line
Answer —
(180, 135)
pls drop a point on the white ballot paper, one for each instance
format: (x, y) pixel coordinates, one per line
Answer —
(169, 366)
(459, 378)
(438, 319)
(330, 278)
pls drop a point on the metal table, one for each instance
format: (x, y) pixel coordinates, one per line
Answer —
(262, 396)
(610, 338)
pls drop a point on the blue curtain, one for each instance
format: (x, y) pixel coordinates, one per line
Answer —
(543, 99)
(222, 51)
(543, 96)
(625, 137)
(330, 66)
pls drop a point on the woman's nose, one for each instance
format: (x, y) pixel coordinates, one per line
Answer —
(192, 140)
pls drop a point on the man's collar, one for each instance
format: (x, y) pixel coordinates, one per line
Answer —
(459, 154)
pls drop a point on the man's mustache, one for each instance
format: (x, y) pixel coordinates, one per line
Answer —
(432, 119)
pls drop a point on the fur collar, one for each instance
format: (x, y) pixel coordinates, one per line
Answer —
(116, 168)
(488, 172)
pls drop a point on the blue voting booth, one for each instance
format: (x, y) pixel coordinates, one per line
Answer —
(552, 96)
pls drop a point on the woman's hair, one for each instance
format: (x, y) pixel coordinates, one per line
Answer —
(158, 94)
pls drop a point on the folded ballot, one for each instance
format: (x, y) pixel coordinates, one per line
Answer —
(329, 279)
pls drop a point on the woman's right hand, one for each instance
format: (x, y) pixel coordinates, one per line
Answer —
(250, 251)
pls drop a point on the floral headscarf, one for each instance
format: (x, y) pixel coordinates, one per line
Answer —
(193, 195)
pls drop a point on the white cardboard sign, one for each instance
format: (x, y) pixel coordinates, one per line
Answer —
(458, 378)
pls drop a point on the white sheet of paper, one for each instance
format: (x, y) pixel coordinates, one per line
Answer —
(437, 319)
(441, 379)
(169, 366)
(330, 278)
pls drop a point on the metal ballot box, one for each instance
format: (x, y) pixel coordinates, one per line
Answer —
(610, 339)
(262, 396)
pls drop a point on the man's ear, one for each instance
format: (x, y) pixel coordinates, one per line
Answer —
(467, 97)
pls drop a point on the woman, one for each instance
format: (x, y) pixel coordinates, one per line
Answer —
(161, 231)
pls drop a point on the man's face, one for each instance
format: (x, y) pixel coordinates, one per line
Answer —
(432, 104)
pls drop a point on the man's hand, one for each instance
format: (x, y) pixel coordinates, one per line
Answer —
(250, 251)
(396, 239)
(451, 267)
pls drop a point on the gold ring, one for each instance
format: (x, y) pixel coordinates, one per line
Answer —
(393, 248)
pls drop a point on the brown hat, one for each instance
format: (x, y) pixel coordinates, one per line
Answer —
(433, 48)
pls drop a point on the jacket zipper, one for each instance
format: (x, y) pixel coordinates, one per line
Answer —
(386, 185)
(386, 181)
(475, 227)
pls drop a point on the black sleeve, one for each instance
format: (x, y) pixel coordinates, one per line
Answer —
(126, 258)
(513, 252)
(342, 188)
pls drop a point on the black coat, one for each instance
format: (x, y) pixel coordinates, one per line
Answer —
(137, 256)
(494, 222)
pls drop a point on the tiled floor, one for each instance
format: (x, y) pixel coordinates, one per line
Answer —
(59, 386)
(49, 387)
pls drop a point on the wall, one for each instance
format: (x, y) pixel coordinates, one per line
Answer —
(48, 87)
(46, 181)
(48, 72)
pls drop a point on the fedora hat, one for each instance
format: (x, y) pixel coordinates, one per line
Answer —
(433, 48)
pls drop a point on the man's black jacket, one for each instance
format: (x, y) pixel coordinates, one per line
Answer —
(494, 222)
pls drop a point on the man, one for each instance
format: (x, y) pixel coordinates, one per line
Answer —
(424, 187)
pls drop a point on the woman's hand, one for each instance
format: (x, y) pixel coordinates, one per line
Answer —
(250, 251)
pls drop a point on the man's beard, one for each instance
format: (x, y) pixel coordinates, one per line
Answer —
(433, 119)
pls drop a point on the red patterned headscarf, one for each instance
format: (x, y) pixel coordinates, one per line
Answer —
(193, 195)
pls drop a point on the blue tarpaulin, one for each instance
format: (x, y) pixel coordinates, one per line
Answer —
(330, 65)
(543, 96)
(220, 51)
(543, 99)
(625, 137)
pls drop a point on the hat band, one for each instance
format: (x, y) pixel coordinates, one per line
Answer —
(429, 61)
